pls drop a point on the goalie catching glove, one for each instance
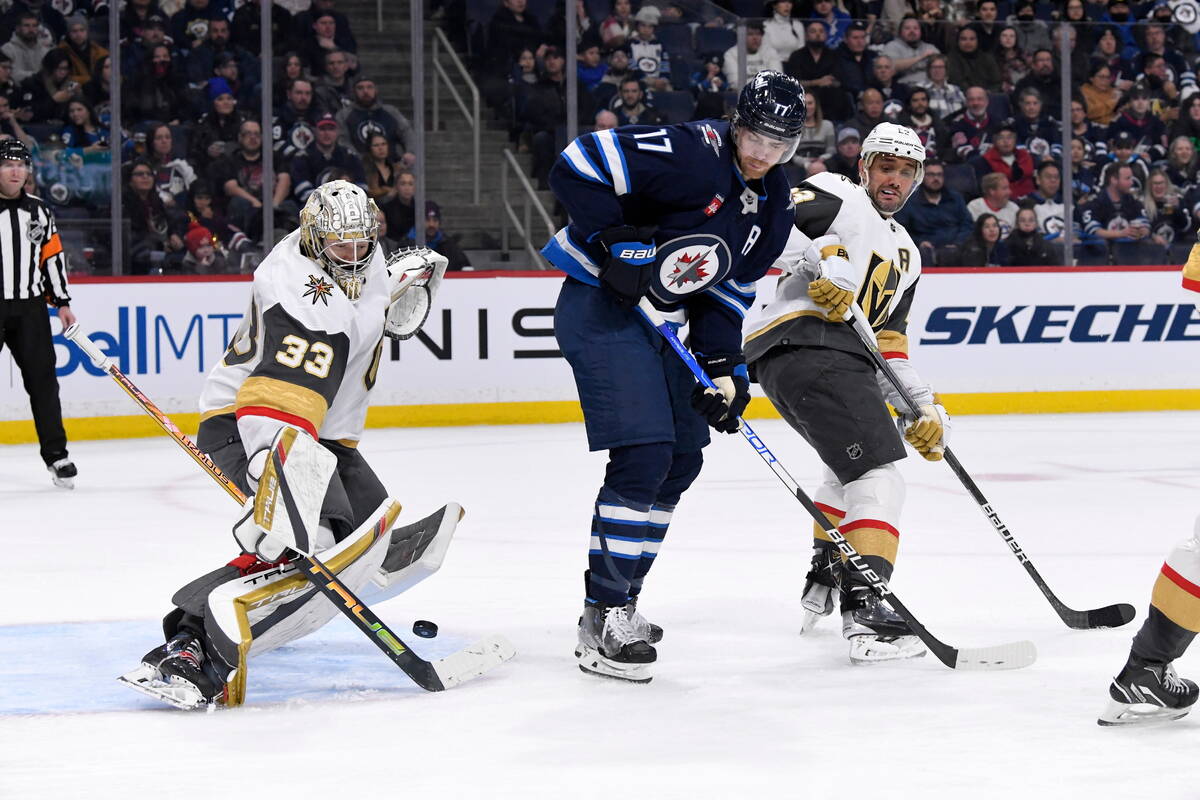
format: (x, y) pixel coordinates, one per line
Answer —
(834, 285)
(415, 274)
(929, 433)
(722, 407)
(267, 527)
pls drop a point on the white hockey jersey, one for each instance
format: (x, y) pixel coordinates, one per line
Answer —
(304, 354)
(887, 261)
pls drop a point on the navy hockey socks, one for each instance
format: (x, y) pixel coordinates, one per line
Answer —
(619, 528)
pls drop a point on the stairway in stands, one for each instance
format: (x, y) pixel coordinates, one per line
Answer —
(385, 56)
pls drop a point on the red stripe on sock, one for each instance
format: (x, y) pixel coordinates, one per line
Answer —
(869, 523)
(831, 510)
(1180, 581)
(1191, 283)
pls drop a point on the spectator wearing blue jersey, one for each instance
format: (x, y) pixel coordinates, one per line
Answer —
(1115, 222)
(83, 129)
(836, 21)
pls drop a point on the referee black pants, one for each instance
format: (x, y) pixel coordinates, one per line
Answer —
(25, 329)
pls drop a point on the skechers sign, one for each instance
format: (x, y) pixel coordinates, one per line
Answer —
(1061, 323)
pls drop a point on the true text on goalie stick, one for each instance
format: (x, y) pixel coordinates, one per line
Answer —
(424, 673)
(1013, 655)
(1111, 616)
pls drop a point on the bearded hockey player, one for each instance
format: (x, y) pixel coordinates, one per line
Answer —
(689, 216)
(1147, 688)
(845, 246)
(296, 380)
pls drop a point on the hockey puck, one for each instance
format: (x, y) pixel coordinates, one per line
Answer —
(425, 629)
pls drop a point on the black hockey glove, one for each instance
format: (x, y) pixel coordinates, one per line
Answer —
(629, 268)
(723, 406)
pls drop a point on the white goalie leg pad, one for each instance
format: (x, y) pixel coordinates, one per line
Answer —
(253, 614)
(307, 467)
(416, 274)
(414, 552)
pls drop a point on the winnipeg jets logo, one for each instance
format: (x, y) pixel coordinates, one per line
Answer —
(318, 289)
(690, 264)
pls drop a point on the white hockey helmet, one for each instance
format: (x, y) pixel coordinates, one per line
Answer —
(337, 213)
(888, 138)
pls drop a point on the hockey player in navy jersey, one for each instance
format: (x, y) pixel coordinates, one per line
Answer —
(689, 216)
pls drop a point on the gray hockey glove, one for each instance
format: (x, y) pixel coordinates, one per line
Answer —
(415, 274)
(834, 286)
(266, 527)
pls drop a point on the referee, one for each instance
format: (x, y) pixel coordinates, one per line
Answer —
(33, 272)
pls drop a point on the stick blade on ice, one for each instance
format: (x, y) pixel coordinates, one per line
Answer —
(473, 661)
(1014, 655)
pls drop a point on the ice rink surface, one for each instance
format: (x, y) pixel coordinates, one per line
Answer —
(741, 706)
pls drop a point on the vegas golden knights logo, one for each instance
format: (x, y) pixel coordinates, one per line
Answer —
(882, 280)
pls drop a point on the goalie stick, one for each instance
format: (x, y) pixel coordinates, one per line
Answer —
(432, 676)
(1012, 655)
(1112, 616)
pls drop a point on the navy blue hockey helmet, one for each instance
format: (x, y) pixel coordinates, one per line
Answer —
(14, 150)
(772, 104)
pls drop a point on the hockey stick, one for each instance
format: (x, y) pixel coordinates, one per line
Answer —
(1012, 655)
(433, 676)
(1106, 617)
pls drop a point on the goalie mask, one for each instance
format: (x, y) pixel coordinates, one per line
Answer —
(339, 230)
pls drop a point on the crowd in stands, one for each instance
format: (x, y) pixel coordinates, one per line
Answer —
(192, 144)
(978, 80)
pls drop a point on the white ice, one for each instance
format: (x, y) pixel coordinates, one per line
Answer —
(741, 706)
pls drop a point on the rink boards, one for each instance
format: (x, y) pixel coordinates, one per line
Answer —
(989, 341)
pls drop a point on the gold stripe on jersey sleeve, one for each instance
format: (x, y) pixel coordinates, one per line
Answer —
(282, 396)
(892, 342)
(787, 318)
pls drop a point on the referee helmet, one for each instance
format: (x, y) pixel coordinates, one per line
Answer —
(14, 150)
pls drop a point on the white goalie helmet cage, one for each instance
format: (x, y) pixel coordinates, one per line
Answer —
(888, 138)
(338, 212)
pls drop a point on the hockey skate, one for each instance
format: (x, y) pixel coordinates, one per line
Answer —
(644, 628)
(174, 673)
(63, 473)
(609, 645)
(821, 591)
(875, 631)
(1147, 691)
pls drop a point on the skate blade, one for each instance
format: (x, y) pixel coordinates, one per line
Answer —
(592, 663)
(1118, 714)
(181, 695)
(874, 649)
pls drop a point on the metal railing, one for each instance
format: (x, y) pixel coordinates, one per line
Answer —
(440, 42)
(523, 225)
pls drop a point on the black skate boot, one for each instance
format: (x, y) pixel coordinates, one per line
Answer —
(643, 627)
(174, 673)
(1147, 691)
(610, 646)
(875, 631)
(63, 473)
(821, 585)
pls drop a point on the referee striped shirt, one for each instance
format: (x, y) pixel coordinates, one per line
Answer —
(32, 261)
